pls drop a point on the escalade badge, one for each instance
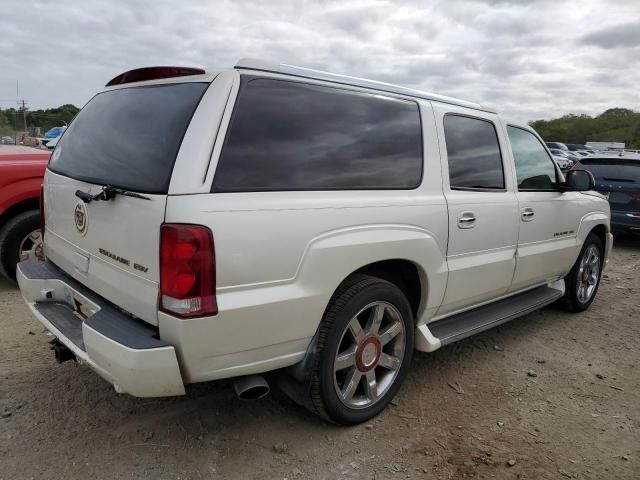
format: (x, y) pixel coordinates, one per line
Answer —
(81, 218)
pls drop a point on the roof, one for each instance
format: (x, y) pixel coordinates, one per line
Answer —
(263, 66)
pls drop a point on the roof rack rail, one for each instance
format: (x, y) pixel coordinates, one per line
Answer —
(153, 73)
(261, 65)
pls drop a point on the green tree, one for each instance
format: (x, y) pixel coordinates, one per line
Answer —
(613, 125)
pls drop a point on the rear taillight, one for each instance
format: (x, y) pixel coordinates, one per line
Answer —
(187, 270)
(42, 211)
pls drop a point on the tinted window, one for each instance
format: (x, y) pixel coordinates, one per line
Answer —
(534, 169)
(293, 136)
(473, 153)
(612, 169)
(128, 137)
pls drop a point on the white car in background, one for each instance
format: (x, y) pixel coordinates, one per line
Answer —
(563, 162)
(314, 225)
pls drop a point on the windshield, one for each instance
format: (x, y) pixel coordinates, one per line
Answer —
(128, 137)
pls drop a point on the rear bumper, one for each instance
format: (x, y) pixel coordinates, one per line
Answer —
(125, 351)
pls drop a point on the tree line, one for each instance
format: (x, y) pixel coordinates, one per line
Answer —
(12, 120)
(614, 125)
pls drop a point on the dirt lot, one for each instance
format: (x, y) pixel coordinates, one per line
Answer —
(555, 395)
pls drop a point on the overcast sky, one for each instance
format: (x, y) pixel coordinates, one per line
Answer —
(530, 60)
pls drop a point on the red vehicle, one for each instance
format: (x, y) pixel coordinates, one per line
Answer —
(21, 172)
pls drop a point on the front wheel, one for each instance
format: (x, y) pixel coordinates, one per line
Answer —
(584, 278)
(365, 348)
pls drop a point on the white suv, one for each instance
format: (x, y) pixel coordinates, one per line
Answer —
(265, 218)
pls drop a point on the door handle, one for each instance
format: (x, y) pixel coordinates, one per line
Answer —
(466, 220)
(527, 214)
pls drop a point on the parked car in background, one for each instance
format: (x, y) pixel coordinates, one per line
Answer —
(52, 136)
(7, 140)
(563, 162)
(573, 147)
(325, 230)
(582, 153)
(21, 172)
(51, 144)
(566, 154)
(573, 156)
(558, 145)
(617, 177)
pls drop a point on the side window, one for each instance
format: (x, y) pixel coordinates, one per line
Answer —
(473, 152)
(534, 169)
(288, 135)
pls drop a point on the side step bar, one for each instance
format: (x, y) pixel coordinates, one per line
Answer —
(465, 324)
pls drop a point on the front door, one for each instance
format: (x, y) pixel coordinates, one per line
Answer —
(483, 210)
(548, 217)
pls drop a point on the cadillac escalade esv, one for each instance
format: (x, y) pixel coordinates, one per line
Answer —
(270, 218)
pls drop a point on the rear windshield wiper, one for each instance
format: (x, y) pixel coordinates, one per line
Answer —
(107, 193)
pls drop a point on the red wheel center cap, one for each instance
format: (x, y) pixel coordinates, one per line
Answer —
(368, 353)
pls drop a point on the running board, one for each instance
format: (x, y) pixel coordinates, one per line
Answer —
(465, 324)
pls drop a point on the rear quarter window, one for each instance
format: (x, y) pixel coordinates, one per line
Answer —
(287, 135)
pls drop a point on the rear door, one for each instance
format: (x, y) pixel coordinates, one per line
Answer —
(548, 218)
(126, 138)
(483, 212)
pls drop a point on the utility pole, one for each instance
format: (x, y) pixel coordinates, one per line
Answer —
(24, 113)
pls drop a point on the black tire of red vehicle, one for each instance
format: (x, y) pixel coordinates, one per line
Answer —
(572, 301)
(352, 298)
(12, 235)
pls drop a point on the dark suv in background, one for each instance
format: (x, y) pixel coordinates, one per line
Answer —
(617, 177)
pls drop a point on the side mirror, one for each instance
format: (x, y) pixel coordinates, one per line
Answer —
(578, 181)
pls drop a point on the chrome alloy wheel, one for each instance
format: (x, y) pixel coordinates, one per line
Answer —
(369, 355)
(31, 246)
(588, 274)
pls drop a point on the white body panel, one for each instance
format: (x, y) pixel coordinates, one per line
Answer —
(114, 227)
(547, 246)
(281, 255)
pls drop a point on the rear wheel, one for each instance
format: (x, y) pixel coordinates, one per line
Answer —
(20, 239)
(584, 278)
(365, 348)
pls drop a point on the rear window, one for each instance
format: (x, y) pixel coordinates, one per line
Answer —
(294, 136)
(612, 169)
(128, 138)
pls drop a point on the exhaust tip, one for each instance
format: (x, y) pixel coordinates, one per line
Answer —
(252, 387)
(62, 353)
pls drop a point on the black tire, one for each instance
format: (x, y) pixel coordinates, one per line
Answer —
(11, 236)
(571, 301)
(355, 294)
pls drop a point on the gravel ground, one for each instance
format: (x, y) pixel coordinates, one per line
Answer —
(551, 395)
